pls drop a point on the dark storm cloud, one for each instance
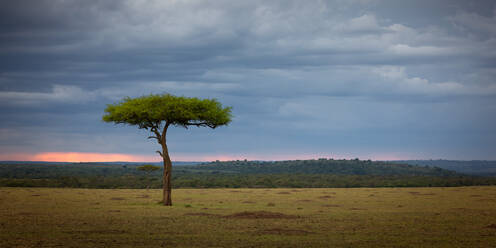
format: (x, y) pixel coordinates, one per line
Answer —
(342, 77)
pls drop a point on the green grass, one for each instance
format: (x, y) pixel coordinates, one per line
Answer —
(365, 217)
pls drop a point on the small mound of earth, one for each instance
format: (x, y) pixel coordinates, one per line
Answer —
(280, 231)
(200, 214)
(418, 193)
(248, 202)
(493, 226)
(261, 215)
(117, 199)
(326, 197)
(331, 206)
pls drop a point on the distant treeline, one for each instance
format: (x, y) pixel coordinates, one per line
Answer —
(238, 174)
(319, 166)
(471, 167)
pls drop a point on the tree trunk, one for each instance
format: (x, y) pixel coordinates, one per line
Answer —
(167, 176)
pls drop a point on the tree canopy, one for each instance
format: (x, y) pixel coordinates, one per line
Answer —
(157, 112)
(150, 111)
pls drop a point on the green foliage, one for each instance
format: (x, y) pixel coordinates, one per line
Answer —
(237, 174)
(321, 166)
(149, 111)
(472, 167)
(148, 168)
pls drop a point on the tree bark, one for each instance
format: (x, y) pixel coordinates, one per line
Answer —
(167, 177)
(167, 188)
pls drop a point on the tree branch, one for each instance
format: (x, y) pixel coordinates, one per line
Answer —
(158, 136)
(164, 132)
(199, 124)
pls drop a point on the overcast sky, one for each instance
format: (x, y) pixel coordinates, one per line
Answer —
(306, 79)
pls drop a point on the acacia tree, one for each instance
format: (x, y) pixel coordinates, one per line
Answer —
(156, 113)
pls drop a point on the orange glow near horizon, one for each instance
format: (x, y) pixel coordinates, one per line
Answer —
(80, 157)
(120, 157)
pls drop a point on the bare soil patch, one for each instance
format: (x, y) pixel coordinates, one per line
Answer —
(280, 231)
(358, 209)
(117, 199)
(326, 197)
(260, 215)
(493, 226)
(143, 196)
(418, 193)
(305, 200)
(26, 213)
(284, 193)
(331, 206)
(87, 232)
(248, 202)
(202, 214)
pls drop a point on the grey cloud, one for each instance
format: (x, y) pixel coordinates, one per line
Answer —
(361, 68)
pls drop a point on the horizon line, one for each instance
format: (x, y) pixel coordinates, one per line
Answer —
(248, 160)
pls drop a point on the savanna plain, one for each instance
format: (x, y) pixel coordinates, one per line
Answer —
(324, 217)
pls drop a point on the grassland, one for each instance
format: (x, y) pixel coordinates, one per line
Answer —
(360, 217)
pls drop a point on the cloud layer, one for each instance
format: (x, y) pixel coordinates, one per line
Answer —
(368, 79)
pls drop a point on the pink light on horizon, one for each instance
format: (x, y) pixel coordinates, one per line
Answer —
(121, 157)
(79, 157)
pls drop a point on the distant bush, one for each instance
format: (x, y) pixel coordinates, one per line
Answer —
(320, 173)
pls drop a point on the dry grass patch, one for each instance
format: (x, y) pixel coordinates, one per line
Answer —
(220, 218)
(280, 231)
(260, 215)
